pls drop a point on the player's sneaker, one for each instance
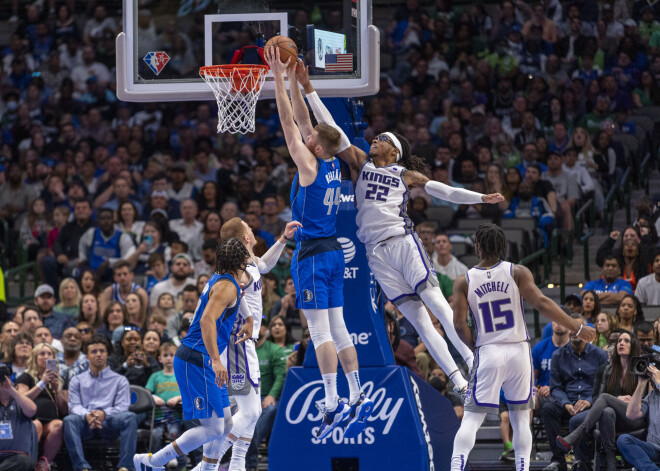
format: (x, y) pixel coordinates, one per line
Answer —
(462, 392)
(141, 463)
(332, 419)
(360, 412)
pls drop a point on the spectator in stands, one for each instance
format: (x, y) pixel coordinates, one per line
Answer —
(44, 386)
(65, 247)
(152, 243)
(117, 195)
(114, 316)
(606, 323)
(645, 334)
(648, 287)
(590, 306)
(44, 299)
(70, 297)
(19, 353)
(157, 270)
(272, 365)
(613, 389)
(643, 454)
(31, 320)
(15, 195)
(542, 361)
(151, 343)
(206, 266)
(89, 283)
(438, 379)
(34, 228)
(209, 198)
(272, 222)
(89, 311)
(102, 246)
(130, 360)
(7, 334)
(629, 312)
(180, 189)
(181, 270)
(122, 287)
(42, 335)
(15, 451)
(106, 414)
(188, 298)
(526, 205)
(89, 68)
(72, 360)
(565, 188)
(611, 288)
(572, 374)
(286, 306)
(252, 220)
(166, 306)
(443, 260)
(188, 227)
(614, 244)
(136, 310)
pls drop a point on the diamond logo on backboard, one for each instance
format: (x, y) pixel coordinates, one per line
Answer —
(156, 61)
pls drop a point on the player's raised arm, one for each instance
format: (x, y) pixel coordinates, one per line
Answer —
(300, 111)
(304, 159)
(460, 311)
(352, 155)
(533, 295)
(222, 295)
(268, 260)
(448, 193)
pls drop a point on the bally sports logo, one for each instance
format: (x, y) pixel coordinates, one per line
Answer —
(349, 249)
(302, 407)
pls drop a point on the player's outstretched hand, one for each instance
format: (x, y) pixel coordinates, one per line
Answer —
(246, 331)
(302, 72)
(272, 56)
(291, 228)
(492, 198)
(588, 334)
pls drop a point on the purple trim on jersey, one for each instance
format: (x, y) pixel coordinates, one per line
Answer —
(422, 253)
(247, 368)
(407, 222)
(522, 314)
(489, 268)
(403, 296)
(476, 381)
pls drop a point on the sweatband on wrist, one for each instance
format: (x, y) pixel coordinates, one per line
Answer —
(41, 385)
(577, 334)
(451, 194)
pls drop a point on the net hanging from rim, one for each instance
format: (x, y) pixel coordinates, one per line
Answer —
(236, 88)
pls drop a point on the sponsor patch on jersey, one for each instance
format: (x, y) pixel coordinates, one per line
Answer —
(199, 403)
(156, 61)
(237, 380)
(307, 295)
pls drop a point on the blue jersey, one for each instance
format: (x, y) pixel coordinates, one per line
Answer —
(102, 250)
(315, 206)
(224, 323)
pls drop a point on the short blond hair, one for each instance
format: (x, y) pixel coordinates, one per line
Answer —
(233, 228)
(329, 138)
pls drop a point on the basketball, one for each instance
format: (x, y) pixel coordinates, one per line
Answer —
(286, 46)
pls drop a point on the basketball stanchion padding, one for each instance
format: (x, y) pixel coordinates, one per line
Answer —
(236, 88)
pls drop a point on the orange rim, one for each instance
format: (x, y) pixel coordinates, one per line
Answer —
(244, 77)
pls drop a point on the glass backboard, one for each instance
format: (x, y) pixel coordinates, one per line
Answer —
(162, 47)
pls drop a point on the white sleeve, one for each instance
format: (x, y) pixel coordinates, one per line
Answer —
(323, 116)
(268, 260)
(451, 194)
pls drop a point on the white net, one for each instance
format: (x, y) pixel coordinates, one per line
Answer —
(236, 88)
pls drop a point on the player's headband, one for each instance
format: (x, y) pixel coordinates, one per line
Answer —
(396, 143)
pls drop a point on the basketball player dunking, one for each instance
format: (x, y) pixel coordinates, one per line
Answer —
(396, 256)
(493, 292)
(317, 266)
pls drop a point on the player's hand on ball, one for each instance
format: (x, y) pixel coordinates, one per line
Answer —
(492, 198)
(302, 72)
(291, 228)
(272, 56)
(588, 334)
(220, 373)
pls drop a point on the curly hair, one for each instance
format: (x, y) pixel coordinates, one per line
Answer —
(231, 256)
(408, 160)
(492, 242)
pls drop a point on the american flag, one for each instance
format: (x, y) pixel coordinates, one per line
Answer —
(339, 62)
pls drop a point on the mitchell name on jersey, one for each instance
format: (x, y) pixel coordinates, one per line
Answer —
(492, 287)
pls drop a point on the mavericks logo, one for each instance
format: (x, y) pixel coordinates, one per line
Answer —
(199, 403)
(307, 295)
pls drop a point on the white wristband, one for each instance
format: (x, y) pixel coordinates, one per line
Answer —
(577, 334)
(41, 385)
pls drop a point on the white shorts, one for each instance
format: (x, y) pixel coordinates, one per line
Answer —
(502, 366)
(402, 268)
(242, 366)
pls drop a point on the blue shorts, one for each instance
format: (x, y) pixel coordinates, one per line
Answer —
(199, 394)
(319, 280)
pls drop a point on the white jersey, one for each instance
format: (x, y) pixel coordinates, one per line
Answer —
(496, 305)
(252, 301)
(381, 197)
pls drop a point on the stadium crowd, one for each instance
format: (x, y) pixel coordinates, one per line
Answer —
(120, 207)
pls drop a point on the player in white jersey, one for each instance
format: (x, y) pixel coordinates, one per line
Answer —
(493, 292)
(401, 266)
(241, 360)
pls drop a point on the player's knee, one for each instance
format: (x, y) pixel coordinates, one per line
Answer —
(214, 427)
(338, 330)
(319, 326)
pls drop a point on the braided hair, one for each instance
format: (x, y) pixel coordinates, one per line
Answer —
(408, 160)
(231, 256)
(492, 242)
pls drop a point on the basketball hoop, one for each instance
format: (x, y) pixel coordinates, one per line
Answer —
(236, 88)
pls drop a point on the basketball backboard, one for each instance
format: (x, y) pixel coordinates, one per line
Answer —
(164, 44)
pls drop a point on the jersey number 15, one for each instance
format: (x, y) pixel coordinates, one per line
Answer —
(493, 310)
(332, 198)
